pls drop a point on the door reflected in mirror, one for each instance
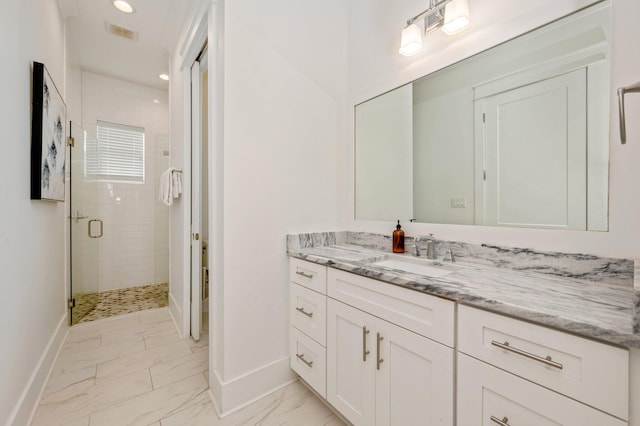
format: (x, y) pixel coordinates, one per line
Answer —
(515, 136)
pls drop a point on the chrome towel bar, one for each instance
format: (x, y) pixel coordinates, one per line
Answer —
(634, 88)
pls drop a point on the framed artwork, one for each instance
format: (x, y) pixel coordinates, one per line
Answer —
(48, 137)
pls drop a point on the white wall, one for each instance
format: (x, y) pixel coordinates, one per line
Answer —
(32, 233)
(384, 152)
(273, 172)
(284, 96)
(443, 154)
(134, 250)
(375, 67)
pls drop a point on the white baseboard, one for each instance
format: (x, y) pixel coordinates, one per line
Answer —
(233, 395)
(176, 313)
(28, 402)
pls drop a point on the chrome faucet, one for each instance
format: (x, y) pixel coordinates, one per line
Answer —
(449, 256)
(431, 246)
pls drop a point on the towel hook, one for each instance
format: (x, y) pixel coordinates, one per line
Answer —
(634, 88)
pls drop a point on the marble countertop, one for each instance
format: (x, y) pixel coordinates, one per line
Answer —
(598, 310)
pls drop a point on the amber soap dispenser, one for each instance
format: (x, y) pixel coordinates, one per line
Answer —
(398, 239)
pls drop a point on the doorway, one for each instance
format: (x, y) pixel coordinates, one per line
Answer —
(119, 237)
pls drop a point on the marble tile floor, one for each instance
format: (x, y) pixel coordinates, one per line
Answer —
(122, 301)
(135, 369)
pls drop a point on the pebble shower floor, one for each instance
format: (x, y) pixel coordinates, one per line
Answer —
(125, 301)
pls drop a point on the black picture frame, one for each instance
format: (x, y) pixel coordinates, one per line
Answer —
(48, 137)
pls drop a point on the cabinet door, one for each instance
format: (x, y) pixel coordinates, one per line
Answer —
(351, 362)
(414, 378)
(488, 396)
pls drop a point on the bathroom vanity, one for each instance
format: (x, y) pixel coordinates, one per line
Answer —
(395, 340)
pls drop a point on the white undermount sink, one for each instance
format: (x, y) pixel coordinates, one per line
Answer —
(426, 267)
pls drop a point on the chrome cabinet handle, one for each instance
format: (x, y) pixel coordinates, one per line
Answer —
(304, 275)
(365, 352)
(301, 358)
(503, 422)
(547, 360)
(379, 359)
(302, 311)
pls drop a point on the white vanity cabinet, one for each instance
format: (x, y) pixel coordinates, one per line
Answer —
(382, 354)
(511, 372)
(380, 370)
(307, 320)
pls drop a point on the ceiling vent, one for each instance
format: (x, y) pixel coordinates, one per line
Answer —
(121, 31)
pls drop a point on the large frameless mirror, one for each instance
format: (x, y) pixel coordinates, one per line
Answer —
(515, 136)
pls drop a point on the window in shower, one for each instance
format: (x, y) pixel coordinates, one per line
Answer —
(116, 153)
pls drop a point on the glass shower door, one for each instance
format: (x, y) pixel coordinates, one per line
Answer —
(85, 230)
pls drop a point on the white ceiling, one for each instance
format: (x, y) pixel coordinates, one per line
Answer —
(157, 22)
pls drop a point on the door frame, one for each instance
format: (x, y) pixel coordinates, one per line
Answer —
(197, 36)
(207, 25)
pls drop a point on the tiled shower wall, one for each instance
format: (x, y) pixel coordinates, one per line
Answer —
(135, 246)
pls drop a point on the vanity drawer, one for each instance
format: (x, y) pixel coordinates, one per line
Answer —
(594, 373)
(308, 274)
(308, 359)
(421, 313)
(486, 395)
(308, 312)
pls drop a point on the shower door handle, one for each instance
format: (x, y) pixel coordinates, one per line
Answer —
(99, 235)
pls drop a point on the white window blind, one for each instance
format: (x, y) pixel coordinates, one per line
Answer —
(116, 153)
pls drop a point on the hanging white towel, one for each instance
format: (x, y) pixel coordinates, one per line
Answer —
(176, 183)
(165, 192)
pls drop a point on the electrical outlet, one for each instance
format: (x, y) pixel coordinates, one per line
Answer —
(458, 202)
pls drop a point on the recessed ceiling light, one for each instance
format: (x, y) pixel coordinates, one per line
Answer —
(123, 6)
(164, 77)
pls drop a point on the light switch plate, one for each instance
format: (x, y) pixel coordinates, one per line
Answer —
(458, 202)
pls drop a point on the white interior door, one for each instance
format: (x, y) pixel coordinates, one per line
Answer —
(196, 199)
(534, 155)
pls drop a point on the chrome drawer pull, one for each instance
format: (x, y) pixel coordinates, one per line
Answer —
(304, 274)
(301, 358)
(302, 311)
(546, 360)
(379, 360)
(365, 352)
(503, 422)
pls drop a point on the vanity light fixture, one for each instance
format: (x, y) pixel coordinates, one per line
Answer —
(451, 15)
(456, 16)
(411, 41)
(123, 6)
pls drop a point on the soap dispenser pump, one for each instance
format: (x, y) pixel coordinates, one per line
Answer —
(398, 239)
